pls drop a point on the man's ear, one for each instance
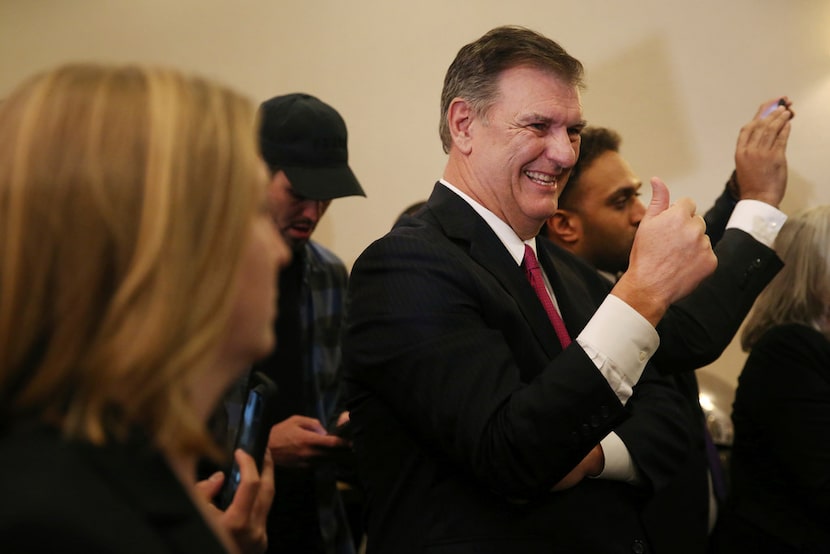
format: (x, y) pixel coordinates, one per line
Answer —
(460, 116)
(564, 227)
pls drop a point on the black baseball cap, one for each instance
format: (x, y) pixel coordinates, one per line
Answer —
(306, 138)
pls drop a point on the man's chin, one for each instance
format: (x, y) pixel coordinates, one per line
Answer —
(296, 241)
(297, 246)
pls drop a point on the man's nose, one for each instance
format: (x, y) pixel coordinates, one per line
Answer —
(313, 209)
(560, 149)
(637, 212)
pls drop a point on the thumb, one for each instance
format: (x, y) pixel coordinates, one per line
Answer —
(209, 488)
(659, 197)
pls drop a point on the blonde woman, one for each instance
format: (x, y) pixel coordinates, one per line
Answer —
(780, 464)
(137, 271)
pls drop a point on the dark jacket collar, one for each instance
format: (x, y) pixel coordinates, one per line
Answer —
(142, 477)
(462, 225)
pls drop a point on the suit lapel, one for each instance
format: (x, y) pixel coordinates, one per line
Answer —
(467, 229)
(577, 297)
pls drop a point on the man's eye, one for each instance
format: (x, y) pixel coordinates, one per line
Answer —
(621, 203)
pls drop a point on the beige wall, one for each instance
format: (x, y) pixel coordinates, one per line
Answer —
(676, 78)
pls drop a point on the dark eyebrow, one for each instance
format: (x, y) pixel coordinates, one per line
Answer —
(626, 191)
(296, 195)
(539, 118)
(579, 125)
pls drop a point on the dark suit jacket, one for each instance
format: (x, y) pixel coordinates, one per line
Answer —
(70, 497)
(718, 215)
(781, 455)
(466, 410)
(688, 491)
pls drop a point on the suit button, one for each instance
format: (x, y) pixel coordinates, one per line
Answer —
(586, 431)
(604, 411)
(753, 267)
(594, 421)
(638, 547)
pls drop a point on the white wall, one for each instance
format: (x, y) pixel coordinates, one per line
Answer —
(677, 79)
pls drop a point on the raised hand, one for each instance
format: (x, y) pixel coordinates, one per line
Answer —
(760, 154)
(671, 255)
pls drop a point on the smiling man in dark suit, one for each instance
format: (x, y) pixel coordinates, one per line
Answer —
(478, 427)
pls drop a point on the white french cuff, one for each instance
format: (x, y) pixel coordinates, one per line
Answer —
(759, 219)
(620, 342)
(619, 466)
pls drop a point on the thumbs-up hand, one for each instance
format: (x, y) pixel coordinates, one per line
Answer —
(670, 257)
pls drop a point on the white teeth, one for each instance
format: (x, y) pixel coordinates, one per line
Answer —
(541, 178)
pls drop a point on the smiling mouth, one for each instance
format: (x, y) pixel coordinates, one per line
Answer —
(543, 179)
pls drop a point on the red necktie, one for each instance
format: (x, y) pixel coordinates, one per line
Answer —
(537, 281)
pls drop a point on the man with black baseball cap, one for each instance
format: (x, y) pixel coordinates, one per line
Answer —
(303, 141)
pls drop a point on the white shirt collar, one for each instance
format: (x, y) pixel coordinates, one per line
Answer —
(508, 237)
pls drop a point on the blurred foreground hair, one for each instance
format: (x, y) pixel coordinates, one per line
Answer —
(126, 194)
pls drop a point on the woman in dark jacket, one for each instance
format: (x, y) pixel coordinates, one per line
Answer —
(137, 282)
(780, 465)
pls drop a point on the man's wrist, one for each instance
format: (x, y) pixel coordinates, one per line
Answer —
(597, 462)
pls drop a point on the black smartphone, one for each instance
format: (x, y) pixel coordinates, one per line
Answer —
(251, 437)
(343, 431)
(771, 108)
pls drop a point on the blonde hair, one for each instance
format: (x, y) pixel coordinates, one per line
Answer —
(126, 194)
(800, 293)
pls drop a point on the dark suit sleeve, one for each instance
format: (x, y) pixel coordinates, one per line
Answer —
(442, 348)
(697, 329)
(718, 215)
(658, 435)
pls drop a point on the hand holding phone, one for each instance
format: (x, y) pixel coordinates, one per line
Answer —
(771, 108)
(344, 430)
(252, 436)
